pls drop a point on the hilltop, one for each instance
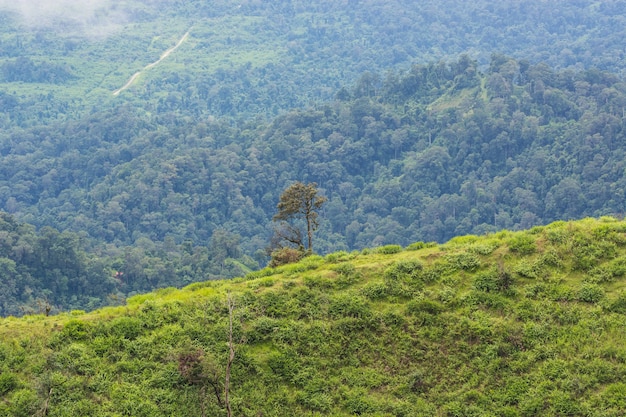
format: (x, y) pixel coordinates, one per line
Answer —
(506, 324)
(156, 136)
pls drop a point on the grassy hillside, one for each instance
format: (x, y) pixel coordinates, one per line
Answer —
(507, 324)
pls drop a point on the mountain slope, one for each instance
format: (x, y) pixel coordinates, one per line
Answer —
(437, 151)
(250, 58)
(518, 324)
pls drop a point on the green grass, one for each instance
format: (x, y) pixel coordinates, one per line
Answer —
(430, 331)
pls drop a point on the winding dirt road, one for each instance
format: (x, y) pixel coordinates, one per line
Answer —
(149, 66)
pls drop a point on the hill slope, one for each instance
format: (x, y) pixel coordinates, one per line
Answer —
(254, 57)
(516, 324)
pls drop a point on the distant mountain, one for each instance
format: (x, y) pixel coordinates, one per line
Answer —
(437, 151)
(524, 323)
(163, 132)
(65, 59)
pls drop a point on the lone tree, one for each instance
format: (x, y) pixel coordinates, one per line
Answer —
(298, 206)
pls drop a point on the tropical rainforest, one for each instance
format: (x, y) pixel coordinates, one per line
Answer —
(153, 138)
(465, 166)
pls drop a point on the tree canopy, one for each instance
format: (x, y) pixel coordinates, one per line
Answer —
(299, 202)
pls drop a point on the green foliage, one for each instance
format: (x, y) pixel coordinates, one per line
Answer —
(389, 249)
(588, 253)
(260, 273)
(473, 341)
(284, 256)
(487, 281)
(8, 382)
(126, 328)
(416, 246)
(463, 261)
(618, 304)
(529, 269)
(340, 256)
(375, 291)
(590, 293)
(298, 203)
(484, 247)
(76, 330)
(425, 305)
(402, 277)
(349, 305)
(175, 179)
(522, 244)
(24, 403)
(345, 269)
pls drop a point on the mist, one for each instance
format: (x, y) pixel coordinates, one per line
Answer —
(83, 17)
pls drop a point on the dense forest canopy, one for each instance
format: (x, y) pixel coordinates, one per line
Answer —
(437, 151)
(262, 58)
(417, 120)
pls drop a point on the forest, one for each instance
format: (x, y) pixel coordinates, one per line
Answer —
(438, 151)
(463, 247)
(416, 121)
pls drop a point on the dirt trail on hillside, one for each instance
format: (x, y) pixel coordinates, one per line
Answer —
(155, 63)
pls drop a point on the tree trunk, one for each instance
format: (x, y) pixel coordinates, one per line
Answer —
(231, 356)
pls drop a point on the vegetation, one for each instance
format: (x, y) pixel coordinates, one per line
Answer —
(48, 271)
(439, 330)
(417, 120)
(439, 151)
(299, 203)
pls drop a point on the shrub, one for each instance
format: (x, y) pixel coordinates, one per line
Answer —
(403, 269)
(416, 246)
(587, 253)
(536, 230)
(262, 328)
(319, 282)
(285, 256)
(25, 403)
(484, 248)
(522, 244)
(435, 271)
(559, 292)
(76, 330)
(527, 269)
(263, 282)
(400, 275)
(345, 269)
(126, 327)
(464, 261)
(348, 275)
(608, 273)
(375, 291)
(615, 395)
(463, 240)
(551, 258)
(618, 305)
(339, 256)
(8, 382)
(487, 281)
(389, 249)
(265, 272)
(486, 299)
(425, 305)
(590, 293)
(311, 262)
(349, 305)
